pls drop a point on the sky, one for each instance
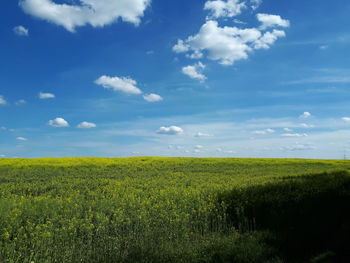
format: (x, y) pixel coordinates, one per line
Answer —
(200, 78)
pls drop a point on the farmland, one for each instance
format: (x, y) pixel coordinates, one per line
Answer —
(148, 209)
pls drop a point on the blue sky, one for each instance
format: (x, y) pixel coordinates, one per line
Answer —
(222, 78)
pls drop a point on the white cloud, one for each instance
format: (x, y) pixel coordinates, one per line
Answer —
(20, 102)
(287, 129)
(181, 47)
(123, 84)
(21, 139)
(200, 134)
(299, 147)
(321, 79)
(199, 147)
(307, 126)
(195, 55)
(152, 97)
(324, 47)
(346, 119)
(21, 31)
(268, 39)
(86, 125)
(305, 115)
(58, 123)
(2, 100)
(255, 4)
(264, 132)
(96, 13)
(44, 96)
(220, 150)
(237, 21)
(219, 8)
(294, 135)
(268, 20)
(172, 130)
(194, 71)
(226, 44)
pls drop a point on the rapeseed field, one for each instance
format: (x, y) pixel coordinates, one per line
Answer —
(147, 209)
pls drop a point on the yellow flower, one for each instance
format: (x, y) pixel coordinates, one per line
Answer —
(6, 235)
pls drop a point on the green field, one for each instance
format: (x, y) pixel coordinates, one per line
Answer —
(100, 210)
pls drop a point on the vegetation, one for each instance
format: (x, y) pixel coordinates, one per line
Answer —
(100, 210)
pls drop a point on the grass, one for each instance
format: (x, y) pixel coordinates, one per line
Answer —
(100, 210)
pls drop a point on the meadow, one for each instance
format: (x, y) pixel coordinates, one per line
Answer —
(149, 209)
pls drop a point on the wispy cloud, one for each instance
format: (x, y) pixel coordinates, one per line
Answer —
(2, 100)
(21, 139)
(172, 130)
(21, 31)
(86, 125)
(321, 79)
(46, 95)
(152, 97)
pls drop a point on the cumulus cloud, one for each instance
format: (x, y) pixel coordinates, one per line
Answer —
(122, 84)
(181, 47)
(268, 39)
(172, 130)
(195, 55)
(294, 135)
(152, 97)
(21, 139)
(226, 44)
(86, 125)
(305, 115)
(268, 20)
(2, 100)
(264, 132)
(21, 31)
(346, 119)
(58, 123)
(195, 71)
(287, 129)
(45, 96)
(229, 8)
(96, 13)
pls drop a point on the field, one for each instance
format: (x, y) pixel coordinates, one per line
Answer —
(100, 210)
